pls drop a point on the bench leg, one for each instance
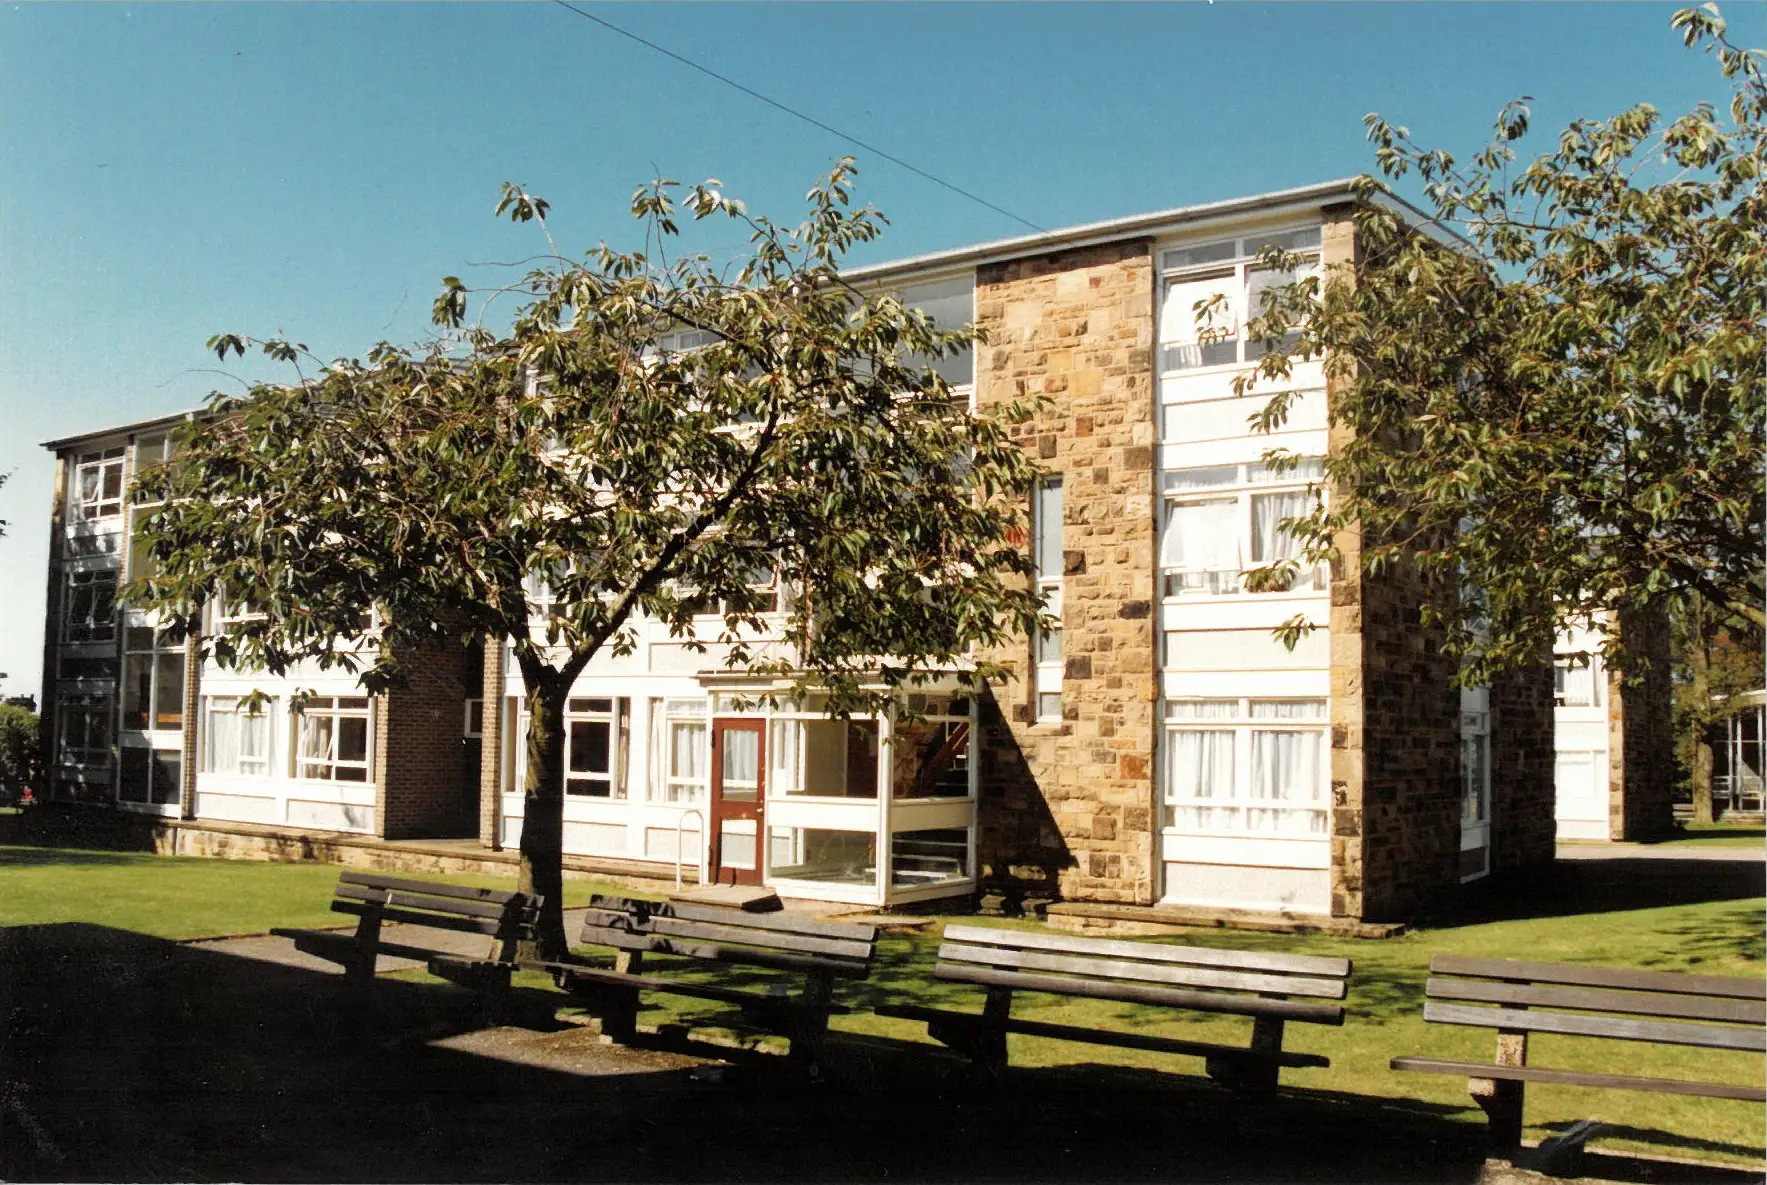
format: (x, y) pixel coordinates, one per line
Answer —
(619, 1013)
(809, 1024)
(1256, 1073)
(1501, 1100)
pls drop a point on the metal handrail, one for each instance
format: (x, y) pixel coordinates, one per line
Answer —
(679, 821)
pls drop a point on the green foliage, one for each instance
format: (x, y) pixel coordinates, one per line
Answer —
(1553, 378)
(589, 448)
(20, 749)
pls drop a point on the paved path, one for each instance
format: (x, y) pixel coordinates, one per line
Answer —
(269, 948)
(1647, 851)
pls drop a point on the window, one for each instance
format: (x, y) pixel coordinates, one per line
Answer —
(472, 727)
(591, 748)
(331, 738)
(228, 611)
(1047, 649)
(235, 741)
(678, 750)
(83, 728)
(98, 485)
(1574, 682)
(1223, 277)
(1209, 539)
(151, 777)
(153, 680)
(91, 606)
(952, 306)
(1475, 767)
(1238, 766)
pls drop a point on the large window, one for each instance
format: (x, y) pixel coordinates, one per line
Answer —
(83, 730)
(1222, 520)
(1224, 279)
(153, 680)
(91, 614)
(150, 777)
(236, 740)
(678, 750)
(1475, 767)
(331, 738)
(1574, 683)
(1247, 766)
(98, 485)
(1047, 524)
(592, 764)
(952, 306)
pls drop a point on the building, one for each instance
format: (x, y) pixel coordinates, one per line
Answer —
(1615, 765)
(1159, 755)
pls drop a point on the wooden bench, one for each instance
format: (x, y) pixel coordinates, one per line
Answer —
(820, 951)
(504, 917)
(1649, 1006)
(1201, 979)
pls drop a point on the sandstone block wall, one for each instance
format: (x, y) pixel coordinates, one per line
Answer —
(1068, 809)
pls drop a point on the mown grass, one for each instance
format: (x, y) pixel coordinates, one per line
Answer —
(1718, 835)
(182, 897)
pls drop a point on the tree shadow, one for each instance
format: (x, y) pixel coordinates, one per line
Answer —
(35, 857)
(1567, 888)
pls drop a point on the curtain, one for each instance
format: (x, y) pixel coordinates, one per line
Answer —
(1285, 766)
(1269, 540)
(1202, 536)
(315, 744)
(224, 747)
(1180, 330)
(782, 758)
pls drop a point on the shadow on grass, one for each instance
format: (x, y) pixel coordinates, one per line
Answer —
(1567, 888)
(12, 856)
(1722, 834)
(1668, 1139)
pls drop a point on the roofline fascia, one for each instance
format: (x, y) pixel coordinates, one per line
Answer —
(178, 417)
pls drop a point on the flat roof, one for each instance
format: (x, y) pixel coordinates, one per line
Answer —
(176, 417)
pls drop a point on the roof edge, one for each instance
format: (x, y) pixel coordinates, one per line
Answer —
(176, 417)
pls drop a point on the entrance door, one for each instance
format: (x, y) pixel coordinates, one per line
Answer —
(738, 759)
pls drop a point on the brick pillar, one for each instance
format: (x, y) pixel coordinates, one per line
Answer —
(187, 742)
(1523, 768)
(1068, 808)
(491, 747)
(1641, 734)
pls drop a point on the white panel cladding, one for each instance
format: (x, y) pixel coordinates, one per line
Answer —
(330, 816)
(1252, 851)
(1228, 886)
(1242, 650)
(237, 808)
(597, 839)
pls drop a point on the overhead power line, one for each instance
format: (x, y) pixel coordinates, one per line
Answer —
(809, 119)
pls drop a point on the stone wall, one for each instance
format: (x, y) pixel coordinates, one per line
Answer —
(1068, 809)
(1523, 762)
(1641, 733)
(1395, 719)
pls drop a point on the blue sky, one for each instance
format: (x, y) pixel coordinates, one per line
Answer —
(171, 171)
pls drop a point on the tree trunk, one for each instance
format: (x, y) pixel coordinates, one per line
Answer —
(1699, 694)
(542, 842)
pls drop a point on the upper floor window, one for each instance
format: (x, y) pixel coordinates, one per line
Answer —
(1047, 556)
(91, 614)
(1574, 683)
(98, 485)
(1227, 274)
(153, 680)
(1222, 520)
(83, 730)
(952, 306)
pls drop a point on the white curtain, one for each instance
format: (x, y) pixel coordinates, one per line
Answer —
(1202, 536)
(254, 743)
(1180, 331)
(1269, 541)
(1201, 765)
(315, 743)
(224, 739)
(1285, 766)
(687, 750)
(742, 757)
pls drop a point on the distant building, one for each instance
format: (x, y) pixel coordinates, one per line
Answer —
(1158, 755)
(1615, 771)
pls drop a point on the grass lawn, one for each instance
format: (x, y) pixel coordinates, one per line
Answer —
(1718, 835)
(181, 897)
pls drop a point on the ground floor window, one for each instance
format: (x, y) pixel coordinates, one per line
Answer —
(150, 776)
(592, 748)
(331, 738)
(1247, 766)
(819, 854)
(929, 857)
(678, 750)
(83, 727)
(236, 740)
(1475, 767)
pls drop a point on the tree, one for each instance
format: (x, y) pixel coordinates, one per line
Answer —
(551, 484)
(1718, 660)
(20, 748)
(1553, 381)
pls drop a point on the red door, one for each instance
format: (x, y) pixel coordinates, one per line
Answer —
(738, 796)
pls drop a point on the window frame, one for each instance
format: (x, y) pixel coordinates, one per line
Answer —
(89, 630)
(233, 705)
(664, 787)
(337, 708)
(1307, 478)
(87, 707)
(106, 463)
(1239, 263)
(578, 710)
(1048, 649)
(1243, 726)
(152, 654)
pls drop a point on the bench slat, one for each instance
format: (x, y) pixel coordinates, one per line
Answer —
(1158, 952)
(413, 900)
(434, 921)
(677, 987)
(432, 888)
(1124, 970)
(779, 921)
(1716, 1090)
(721, 932)
(1676, 982)
(1035, 1028)
(1620, 1028)
(1328, 1014)
(1599, 1000)
(688, 948)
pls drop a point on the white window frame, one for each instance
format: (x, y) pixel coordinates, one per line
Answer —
(582, 709)
(668, 714)
(1243, 725)
(339, 708)
(1047, 649)
(151, 655)
(1475, 754)
(1245, 487)
(106, 465)
(82, 585)
(1236, 262)
(1563, 666)
(245, 764)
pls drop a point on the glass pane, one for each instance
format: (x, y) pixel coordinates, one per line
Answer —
(736, 849)
(352, 739)
(168, 768)
(1288, 709)
(1286, 766)
(831, 857)
(315, 738)
(1311, 469)
(1202, 709)
(1201, 478)
(589, 746)
(1179, 257)
(168, 692)
(136, 775)
(1200, 765)
(1200, 546)
(1049, 705)
(742, 764)
(1294, 240)
(1049, 524)
(929, 857)
(137, 690)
